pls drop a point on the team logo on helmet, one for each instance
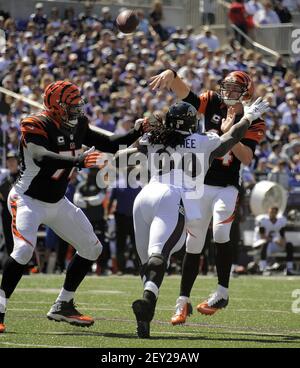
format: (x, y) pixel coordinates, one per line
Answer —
(182, 116)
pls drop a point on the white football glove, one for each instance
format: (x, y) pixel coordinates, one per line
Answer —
(138, 124)
(256, 109)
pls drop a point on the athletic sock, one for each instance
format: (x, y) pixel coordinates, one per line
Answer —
(190, 270)
(77, 270)
(224, 257)
(65, 296)
(12, 273)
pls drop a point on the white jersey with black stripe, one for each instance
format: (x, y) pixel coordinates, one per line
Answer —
(183, 166)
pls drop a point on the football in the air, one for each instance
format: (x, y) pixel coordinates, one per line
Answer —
(127, 21)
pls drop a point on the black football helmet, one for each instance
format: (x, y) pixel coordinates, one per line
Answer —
(182, 117)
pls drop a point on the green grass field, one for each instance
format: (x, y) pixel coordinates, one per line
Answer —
(259, 315)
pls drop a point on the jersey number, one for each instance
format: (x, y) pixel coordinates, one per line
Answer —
(227, 159)
(60, 172)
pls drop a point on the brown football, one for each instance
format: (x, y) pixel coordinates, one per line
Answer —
(127, 21)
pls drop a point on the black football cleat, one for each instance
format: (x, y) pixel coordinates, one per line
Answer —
(66, 312)
(144, 312)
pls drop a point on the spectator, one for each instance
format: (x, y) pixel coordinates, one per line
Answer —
(292, 5)
(143, 23)
(208, 11)
(267, 15)
(275, 156)
(207, 38)
(261, 172)
(253, 6)
(292, 147)
(103, 119)
(270, 238)
(106, 18)
(281, 174)
(54, 20)
(87, 17)
(292, 119)
(39, 18)
(156, 17)
(283, 12)
(279, 69)
(124, 197)
(237, 16)
(7, 177)
(5, 105)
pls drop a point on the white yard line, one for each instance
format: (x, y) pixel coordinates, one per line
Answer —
(161, 308)
(36, 345)
(56, 291)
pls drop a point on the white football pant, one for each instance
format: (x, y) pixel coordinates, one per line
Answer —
(159, 221)
(65, 219)
(219, 203)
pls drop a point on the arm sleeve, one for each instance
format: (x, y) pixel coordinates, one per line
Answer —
(229, 139)
(42, 157)
(200, 102)
(249, 143)
(257, 131)
(39, 140)
(111, 143)
(193, 99)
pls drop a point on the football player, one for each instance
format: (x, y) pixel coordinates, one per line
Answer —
(164, 205)
(50, 148)
(222, 182)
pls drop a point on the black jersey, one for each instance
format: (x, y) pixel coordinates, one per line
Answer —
(225, 170)
(48, 184)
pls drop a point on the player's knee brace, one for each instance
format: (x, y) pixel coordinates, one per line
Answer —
(22, 254)
(155, 269)
(92, 251)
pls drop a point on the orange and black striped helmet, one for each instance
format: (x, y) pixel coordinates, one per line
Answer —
(236, 87)
(63, 101)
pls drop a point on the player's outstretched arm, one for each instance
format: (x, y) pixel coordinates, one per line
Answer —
(111, 144)
(42, 157)
(237, 131)
(168, 79)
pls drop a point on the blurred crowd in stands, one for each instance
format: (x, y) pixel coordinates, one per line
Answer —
(113, 69)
